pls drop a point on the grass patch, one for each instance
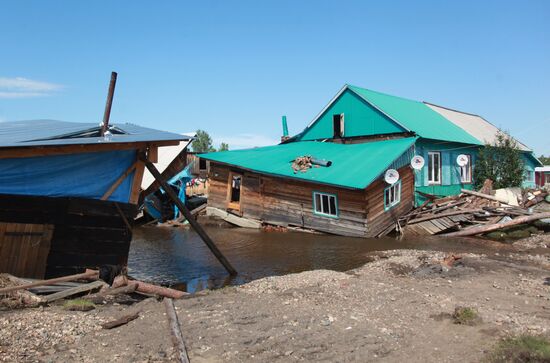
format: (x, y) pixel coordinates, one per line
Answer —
(79, 305)
(520, 349)
(466, 316)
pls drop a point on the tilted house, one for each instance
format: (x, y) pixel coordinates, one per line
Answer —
(357, 115)
(357, 130)
(68, 195)
(349, 197)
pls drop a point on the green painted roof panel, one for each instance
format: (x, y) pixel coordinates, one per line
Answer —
(353, 166)
(416, 117)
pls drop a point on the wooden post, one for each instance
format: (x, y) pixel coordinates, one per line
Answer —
(175, 332)
(187, 214)
(109, 103)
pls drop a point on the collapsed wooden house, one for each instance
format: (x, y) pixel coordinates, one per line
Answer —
(338, 189)
(68, 195)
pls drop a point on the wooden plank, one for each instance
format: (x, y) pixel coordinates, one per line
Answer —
(175, 332)
(119, 181)
(34, 151)
(136, 185)
(75, 290)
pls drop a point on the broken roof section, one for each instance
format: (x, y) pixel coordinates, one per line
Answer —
(475, 125)
(354, 166)
(62, 133)
(166, 156)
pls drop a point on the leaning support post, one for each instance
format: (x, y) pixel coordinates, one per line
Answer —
(187, 214)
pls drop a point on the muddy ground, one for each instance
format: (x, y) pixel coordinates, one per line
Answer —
(395, 308)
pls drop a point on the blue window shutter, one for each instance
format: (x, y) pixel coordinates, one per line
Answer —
(445, 168)
(425, 168)
(455, 170)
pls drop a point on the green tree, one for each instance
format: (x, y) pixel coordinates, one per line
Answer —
(223, 147)
(202, 142)
(545, 160)
(501, 162)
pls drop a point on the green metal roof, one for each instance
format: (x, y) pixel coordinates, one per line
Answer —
(416, 116)
(354, 166)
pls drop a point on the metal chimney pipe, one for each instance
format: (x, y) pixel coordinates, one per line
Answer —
(108, 104)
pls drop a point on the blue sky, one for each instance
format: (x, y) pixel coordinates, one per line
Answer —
(234, 67)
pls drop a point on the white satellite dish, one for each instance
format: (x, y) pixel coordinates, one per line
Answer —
(462, 160)
(417, 162)
(391, 176)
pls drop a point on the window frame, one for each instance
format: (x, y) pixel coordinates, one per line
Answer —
(329, 195)
(531, 174)
(341, 125)
(388, 206)
(430, 154)
(468, 168)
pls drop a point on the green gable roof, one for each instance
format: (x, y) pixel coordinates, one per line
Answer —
(354, 166)
(416, 117)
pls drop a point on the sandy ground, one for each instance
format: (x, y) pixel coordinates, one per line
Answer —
(396, 308)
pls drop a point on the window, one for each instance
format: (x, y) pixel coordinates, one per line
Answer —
(202, 164)
(392, 195)
(466, 171)
(434, 167)
(338, 125)
(529, 175)
(325, 204)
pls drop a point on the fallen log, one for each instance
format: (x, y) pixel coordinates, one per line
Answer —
(120, 321)
(89, 274)
(486, 196)
(175, 332)
(493, 227)
(150, 289)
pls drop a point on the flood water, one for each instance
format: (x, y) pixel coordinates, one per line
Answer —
(178, 257)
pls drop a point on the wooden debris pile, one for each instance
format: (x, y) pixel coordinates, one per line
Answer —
(302, 164)
(470, 213)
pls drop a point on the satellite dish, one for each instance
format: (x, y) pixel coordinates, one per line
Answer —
(462, 160)
(417, 162)
(391, 176)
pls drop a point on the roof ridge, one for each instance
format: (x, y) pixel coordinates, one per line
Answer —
(384, 94)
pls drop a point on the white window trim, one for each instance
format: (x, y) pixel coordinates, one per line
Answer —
(433, 182)
(329, 195)
(467, 167)
(397, 195)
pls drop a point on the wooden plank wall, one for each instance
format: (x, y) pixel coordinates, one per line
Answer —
(289, 203)
(87, 233)
(380, 219)
(24, 248)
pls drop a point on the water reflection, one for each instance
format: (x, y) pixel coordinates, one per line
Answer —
(177, 256)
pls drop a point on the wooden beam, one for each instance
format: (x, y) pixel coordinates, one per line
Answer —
(75, 290)
(187, 214)
(493, 227)
(482, 195)
(117, 182)
(153, 154)
(108, 103)
(175, 332)
(138, 178)
(89, 274)
(34, 151)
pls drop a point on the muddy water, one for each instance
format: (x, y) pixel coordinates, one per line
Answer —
(177, 256)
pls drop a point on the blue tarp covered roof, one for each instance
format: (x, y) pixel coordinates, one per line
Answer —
(59, 133)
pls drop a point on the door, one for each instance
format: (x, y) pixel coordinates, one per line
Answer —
(234, 191)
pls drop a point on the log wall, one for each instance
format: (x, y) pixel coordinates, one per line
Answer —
(286, 202)
(86, 233)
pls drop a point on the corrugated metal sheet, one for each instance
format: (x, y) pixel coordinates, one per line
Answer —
(475, 125)
(416, 116)
(36, 133)
(354, 166)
